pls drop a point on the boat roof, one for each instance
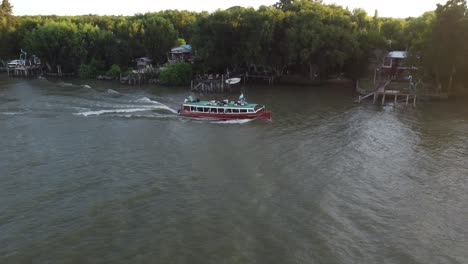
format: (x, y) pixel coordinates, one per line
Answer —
(210, 104)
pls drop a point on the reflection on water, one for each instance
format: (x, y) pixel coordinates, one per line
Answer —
(96, 172)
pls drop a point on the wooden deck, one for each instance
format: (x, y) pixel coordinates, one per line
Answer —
(384, 92)
(24, 70)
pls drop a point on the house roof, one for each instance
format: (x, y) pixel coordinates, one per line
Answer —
(397, 54)
(182, 49)
(146, 59)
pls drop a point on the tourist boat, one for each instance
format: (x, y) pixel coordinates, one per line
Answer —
(223, 110)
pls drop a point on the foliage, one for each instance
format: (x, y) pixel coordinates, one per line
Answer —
(176, 74)
(87, 71)
(308, 36)
(91, 70)
(180, 42)
(447, 53)
(114, 71)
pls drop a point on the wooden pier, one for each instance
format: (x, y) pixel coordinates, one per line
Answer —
(210, 84)
(217, 83)
(384, 91)
(265, 77)
(24, 71)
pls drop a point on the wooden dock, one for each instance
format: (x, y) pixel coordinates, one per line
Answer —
(268, 78)
(24, 71)
(210, 84)
(216, 83)
(384, 91)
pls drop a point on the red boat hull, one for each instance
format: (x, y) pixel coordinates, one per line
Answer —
(222, 116)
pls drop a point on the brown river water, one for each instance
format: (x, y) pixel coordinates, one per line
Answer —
(104, 173)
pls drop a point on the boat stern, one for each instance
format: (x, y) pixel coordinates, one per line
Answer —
(266, 115)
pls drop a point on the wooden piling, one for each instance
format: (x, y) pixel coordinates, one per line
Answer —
(407, 99)
(414, 101)
(383, 98)
(222, 83)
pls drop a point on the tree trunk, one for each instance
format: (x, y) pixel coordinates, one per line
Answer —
(311, 72)
(450, 84)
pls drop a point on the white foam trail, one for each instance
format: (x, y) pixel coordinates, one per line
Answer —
(78, 108)
(100, 112)
(147, 116)
(86, 86)
(65, 84)
(160, 105)
(13, 113)
(147, 100)
(167, 108)
(110, 91)
(235, 121)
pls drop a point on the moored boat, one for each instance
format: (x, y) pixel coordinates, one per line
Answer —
(223, 110)
(14, 63)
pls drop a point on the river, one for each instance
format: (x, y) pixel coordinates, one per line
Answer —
(102, 173)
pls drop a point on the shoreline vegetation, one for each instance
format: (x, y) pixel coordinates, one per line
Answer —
(302, 41)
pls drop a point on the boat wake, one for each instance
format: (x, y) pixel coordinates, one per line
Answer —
(112, 92)
(160, 105)
(111, 111)
(145, 105)
(234, 122)
(12, 113)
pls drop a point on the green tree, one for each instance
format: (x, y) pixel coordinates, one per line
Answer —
(159, 37)
(448, 52)
(6, 9)
(56, 43)
(176, 74)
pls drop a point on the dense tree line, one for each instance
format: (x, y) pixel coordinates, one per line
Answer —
(313, 38)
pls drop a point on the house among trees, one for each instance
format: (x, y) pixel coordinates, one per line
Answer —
(395, 64)
(181, 53)
(143, 63)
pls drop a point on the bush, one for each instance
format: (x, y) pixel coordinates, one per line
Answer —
(114, 71)
(176, 74)
(91, 70)
(87, 71)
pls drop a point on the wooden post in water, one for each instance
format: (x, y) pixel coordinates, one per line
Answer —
(414, 101)
(383, 98)
(396, 98)
(359, 100)
(222, 83)
(375, 76)
(407, 99)
(375, 97)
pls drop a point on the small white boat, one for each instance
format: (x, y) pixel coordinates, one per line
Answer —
(14, 63)
(233, 81)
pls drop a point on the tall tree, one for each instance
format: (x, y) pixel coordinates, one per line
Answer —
(447, 56)
(6, 8)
